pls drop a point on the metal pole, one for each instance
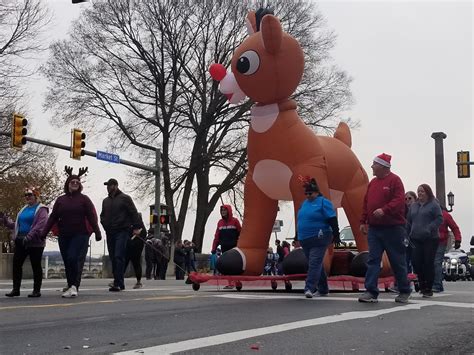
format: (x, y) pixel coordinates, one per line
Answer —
(439, 167)
(157, 190)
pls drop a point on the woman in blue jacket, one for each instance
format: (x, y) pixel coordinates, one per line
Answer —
(317, 229)
(27, 230)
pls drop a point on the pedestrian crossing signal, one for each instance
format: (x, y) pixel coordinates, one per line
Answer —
(164, 219)
(463, 163)
(19, 131)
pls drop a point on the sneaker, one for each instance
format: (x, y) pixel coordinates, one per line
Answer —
(308, 294)
(402, 298)
(70, 293)
(115, 289)
(228, 287)
(318, 294)
(73, 291)
(65, 288)
(367, 297)
(427, 294)
(111, 284)
(393, 289)
(138, 285)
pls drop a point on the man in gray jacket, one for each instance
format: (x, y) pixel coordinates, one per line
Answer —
(120, 219)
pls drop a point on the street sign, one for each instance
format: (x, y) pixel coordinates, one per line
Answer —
(113, 158)
(277, 226)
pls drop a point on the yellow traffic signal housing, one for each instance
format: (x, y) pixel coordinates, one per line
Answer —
(19, 131)
(77, 143)
(464, 169)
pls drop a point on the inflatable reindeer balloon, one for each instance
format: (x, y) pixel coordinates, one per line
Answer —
(267, 67)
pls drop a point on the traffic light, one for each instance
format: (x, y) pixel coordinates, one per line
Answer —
(19, 131)
(464, 169)
(77, 143)
(164, 219)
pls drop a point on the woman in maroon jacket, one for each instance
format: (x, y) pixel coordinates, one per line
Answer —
(70, 212)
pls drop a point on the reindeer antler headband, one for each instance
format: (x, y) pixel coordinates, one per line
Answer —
(82, 171)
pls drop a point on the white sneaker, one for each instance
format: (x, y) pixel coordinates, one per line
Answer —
(308, 294)
(73, 291)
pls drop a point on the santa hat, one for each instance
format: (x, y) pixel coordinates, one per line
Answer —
(383, 159)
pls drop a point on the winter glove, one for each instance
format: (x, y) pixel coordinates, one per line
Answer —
(336, 239)
(98, 237)
(457, 244)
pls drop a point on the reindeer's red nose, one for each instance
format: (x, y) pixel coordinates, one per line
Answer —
(217, 71)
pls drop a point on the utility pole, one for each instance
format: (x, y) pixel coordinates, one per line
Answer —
(439, 167)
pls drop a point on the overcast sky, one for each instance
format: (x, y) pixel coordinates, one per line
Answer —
(412, 68)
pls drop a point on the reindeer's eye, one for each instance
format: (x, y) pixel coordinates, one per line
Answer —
(248, 63)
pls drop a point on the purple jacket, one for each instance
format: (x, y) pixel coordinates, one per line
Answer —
(70, 212)
(33, 237)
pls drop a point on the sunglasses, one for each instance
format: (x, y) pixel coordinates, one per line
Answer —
(28, 195)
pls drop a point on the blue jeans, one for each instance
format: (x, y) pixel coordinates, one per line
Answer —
(438, 268)
(72, 249)
(314, 248)
(389, 239)
(117, 246)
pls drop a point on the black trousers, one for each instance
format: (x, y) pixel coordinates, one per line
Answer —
(19, 257)
(423, 255)
(134, 254)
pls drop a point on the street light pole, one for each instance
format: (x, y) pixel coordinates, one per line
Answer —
(439, 167)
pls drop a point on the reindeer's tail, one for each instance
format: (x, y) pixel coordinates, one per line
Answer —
(343, 133)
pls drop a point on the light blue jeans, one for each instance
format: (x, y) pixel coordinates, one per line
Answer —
(314, 248)
(438, 268)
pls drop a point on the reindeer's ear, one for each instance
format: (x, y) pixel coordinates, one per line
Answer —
(271, 33)
(251, 23)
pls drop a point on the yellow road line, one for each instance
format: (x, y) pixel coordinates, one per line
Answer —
(59, 305)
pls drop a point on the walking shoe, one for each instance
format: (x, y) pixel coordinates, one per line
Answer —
(13, 293)
(393, 289)
(318, 294)
(402, 298)
(427, 294)
(35, 294)
(308, 294)
(138, 285)
(65, 288)
(228, 287)
(70, 293)
(111, 284)
(367, 297)
(115, 289)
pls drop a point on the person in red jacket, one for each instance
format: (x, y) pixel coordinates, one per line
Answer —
(448, 222)
(228, 230)
(383, 220)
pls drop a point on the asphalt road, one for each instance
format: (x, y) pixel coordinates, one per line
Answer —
(169, 317)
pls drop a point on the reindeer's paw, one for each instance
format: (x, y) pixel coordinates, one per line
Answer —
(295, 263)
(231, 263)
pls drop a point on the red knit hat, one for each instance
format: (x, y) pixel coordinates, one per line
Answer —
(383, 159)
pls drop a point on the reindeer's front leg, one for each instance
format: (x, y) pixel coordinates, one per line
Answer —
(259, 215)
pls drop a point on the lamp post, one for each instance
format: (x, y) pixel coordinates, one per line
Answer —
(450, 201)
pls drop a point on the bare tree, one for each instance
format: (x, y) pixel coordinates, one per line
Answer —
(21, 23)
(139, 70)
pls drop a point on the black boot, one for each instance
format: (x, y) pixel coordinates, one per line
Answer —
(13, 293)
(35, 294)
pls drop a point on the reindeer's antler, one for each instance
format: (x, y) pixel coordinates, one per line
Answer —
(68, 170)
(83, 171)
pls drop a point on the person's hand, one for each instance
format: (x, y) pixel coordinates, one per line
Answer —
(378, 213)
(457, 244)
(363, 228)
(98, 237)
(336, 239)
(137, 231)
